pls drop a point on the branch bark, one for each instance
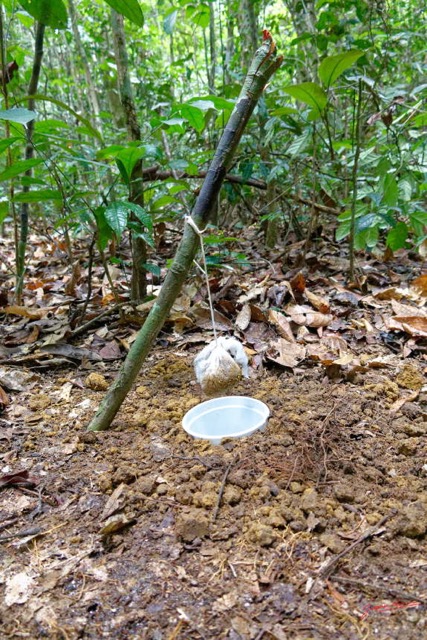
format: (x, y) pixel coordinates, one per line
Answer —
(264, 64)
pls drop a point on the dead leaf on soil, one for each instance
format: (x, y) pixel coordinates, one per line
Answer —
(33, 314)
(304, 315)
(298, 283)
(289, 353)
(405, 310)
(20, 478)
(114, 524)
(244, 317)
(391, 293)
(398, 404)
(202, 319)
(281, 323)
(413, 325)
(114, 502)
(420, 285)
(320, 304)
(4, 399)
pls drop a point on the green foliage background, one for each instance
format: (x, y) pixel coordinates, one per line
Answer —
(186, 71)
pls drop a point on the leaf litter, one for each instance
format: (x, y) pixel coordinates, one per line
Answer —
(305, 531)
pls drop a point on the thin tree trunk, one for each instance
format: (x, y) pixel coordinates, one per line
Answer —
(29, 154)
(247, 21)
(303, 16)
(212, 49)
(92, 95)
(263, 66)
(136, 192)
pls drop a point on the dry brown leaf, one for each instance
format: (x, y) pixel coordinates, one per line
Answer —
(114, 524)
(304, 315)
(405, 310)
(256, 292)
(244, 317)
(257, 315)
(320, 304)
(290, 353)
(179, 321)
(4, 398)
(420, 284)
(298, 283)
(398, 404)
(114, 502)
(392, 293)
(33, 314)
(202, 318)
(344, 359)
(413, 325)
(281, 323)
(335, 343)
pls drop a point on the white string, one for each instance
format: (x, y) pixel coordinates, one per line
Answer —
(189, 220)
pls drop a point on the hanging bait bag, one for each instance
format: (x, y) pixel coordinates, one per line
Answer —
(220, 365)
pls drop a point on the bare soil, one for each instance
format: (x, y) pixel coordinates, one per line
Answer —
(313, 529)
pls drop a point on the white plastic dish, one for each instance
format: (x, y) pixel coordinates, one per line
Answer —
(228, 417)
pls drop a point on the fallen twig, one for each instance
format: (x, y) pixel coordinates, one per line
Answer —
(371, 586)
(328, 568)
(221, 491)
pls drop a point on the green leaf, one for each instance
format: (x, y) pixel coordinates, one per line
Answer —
(123, 171)
(170, 20)
(333, 66)
(343, 230)
(396, 237)
(215, 101)
(19, 167)
(52, 13)
(152, 268)
(366, 222)
(22, 116)
(109, 152)
(420, 120)
(390, 190)
(143, 216)
(418, 221)
(104, 231)
(299, 144)
(199, 15)
(310, 93)
(367, 238)
(116, 214)
(41, 195)
(128, 157)
(4, 210)
(6, 143)
(62, 105)
(194, 116)
(130, 9)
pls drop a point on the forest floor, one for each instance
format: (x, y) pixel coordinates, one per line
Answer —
(313, 529)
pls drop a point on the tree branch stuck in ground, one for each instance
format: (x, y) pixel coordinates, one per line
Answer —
(264, 65)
